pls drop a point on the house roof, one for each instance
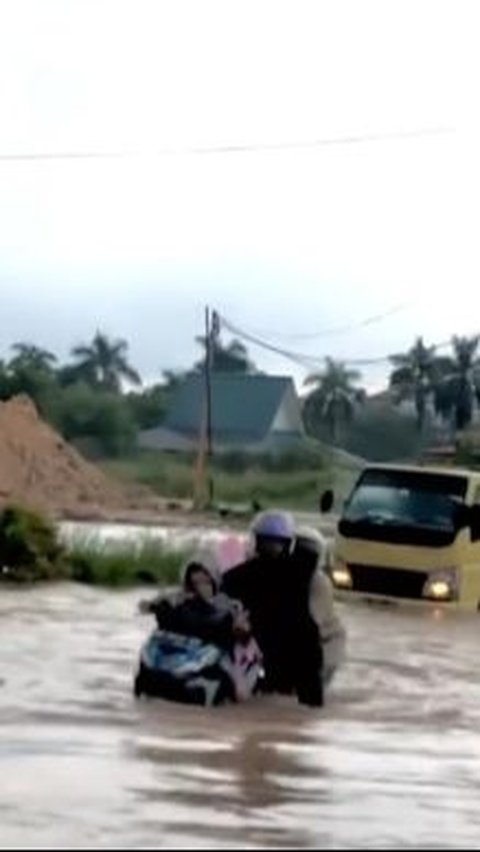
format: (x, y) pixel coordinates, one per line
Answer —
(243, 406)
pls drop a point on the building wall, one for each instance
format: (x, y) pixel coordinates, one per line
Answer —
(288, 417)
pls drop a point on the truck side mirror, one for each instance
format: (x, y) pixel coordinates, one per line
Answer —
(326, 502)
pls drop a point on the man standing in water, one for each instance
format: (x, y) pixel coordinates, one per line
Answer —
(312, 547)
(274, 585)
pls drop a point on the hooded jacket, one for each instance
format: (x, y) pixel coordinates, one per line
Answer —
(189, 614)
(321, 596)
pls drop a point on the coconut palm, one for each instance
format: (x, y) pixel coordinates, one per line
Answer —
(414, 377)
(457, 390)
(31, 358)
(334, 398)
(104, 363)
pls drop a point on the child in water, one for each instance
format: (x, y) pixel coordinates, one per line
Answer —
(200, 610)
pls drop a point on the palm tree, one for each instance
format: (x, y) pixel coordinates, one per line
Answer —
(334, 399)
(459, 387)
(104, 363)
(31, 371)
(414, 377)
(230, 358)
(31, 358)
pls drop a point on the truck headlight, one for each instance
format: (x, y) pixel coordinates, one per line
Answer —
(341, 575)
(442, 585)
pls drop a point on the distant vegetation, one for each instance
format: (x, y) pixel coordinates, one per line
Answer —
(442, 388)
(151, 563)
(96, 400)
(292, 480)
(30, 551)
(29, 547)
(449, 383)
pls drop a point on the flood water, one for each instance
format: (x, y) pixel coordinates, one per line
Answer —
(394, 759)
(115, 535)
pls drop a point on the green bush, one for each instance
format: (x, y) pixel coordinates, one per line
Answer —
(83, 412)
(125, 565)
(30, 551)
(235, 461)
(149, 406)
(299, 458)
(29, 547)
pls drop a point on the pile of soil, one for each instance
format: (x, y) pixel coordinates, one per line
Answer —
(40, 470)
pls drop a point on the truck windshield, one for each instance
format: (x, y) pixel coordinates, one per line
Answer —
(406, 507)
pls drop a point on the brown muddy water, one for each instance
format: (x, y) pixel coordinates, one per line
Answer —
(393, 760)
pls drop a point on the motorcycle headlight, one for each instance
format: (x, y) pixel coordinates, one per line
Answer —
(341, 575)
(442, 585)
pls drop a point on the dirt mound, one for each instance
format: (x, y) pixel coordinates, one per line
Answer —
(39, 469)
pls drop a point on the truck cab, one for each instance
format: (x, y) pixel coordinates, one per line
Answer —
(410, 534)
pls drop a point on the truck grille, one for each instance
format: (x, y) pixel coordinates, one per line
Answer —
(394, 582)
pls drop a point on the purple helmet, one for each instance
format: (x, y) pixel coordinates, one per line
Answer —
(273, 524)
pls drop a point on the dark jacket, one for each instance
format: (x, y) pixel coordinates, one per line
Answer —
(189, 615)
(276, 594)
(195, 617)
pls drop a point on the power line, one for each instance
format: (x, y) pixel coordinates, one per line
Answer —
(304, 360)
(300, 358)
(336, 330)
(234, 148)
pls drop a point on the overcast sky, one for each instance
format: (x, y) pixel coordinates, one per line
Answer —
(285, 243)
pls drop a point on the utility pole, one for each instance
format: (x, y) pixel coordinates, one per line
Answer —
(209, 331)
